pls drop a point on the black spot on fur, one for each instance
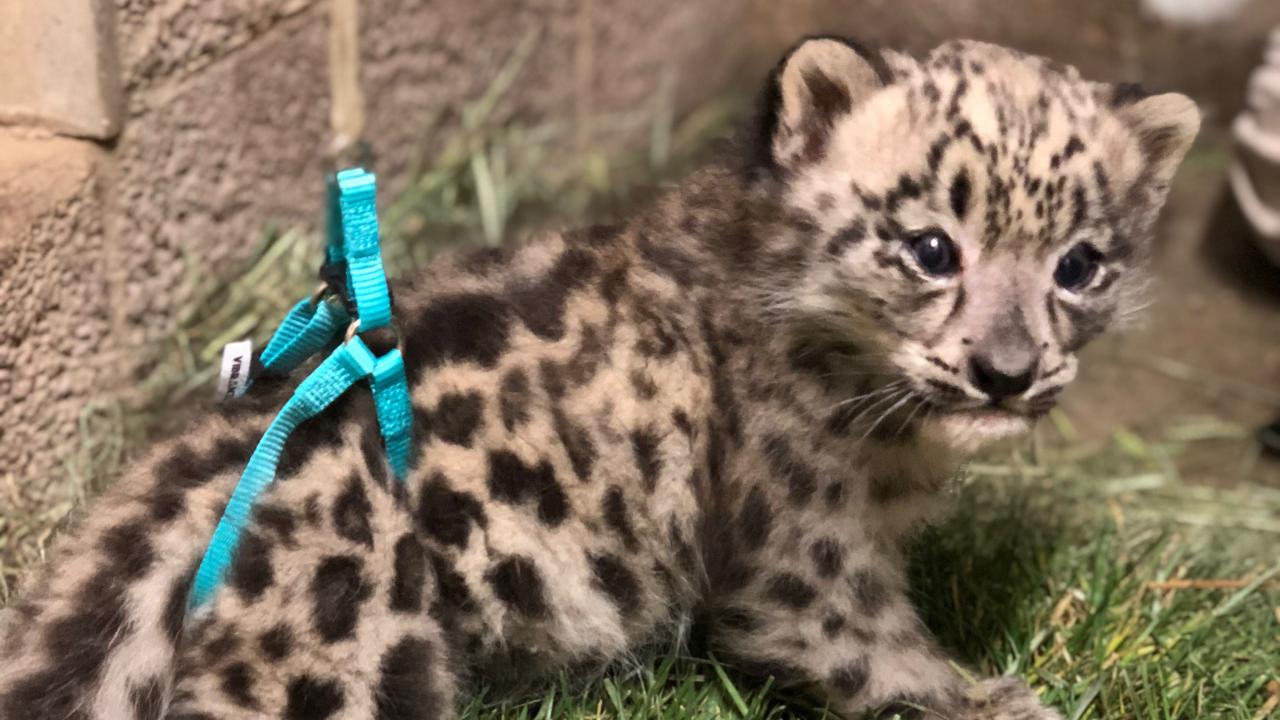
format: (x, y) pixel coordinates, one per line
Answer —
(220, 647)
(755, 521)
(80, 643)
(614, 579)
(457, 328)
(849, 680)
(682, 422)
(315, 434)
(834, 495)
(185, 469)
(789, 590)
(846, 237)
(886, 489)
(446, 514)
(175, 604)
(657, 337)
(871, 593)
(642, 382)
(644, 444)
(483, 260)
(351, 513)
(128, 550)
(730, 574)
(147, 699)
(518, 584)
(410, 575)
(801, 482)
(959, 195)
(457, 417)
(1079, 207)
(312, 698)
(828, 557)
(906, 189)
(311, 510)
(251, 572)
(541, 304)
(189, 469)
(337, 591)
(511, 481)
(278, 520)
(1074, 145)
(405, 688)
(237, 684)
(276, 643)
(577, 443)
(668, 260)
(684, 551)
(832, 624)
(553, 380)
(613, 285)
(740, 619)
(451, 585)
(374, 453)
(590, 354)
(614, 510)
(514, 396)
(596, 235)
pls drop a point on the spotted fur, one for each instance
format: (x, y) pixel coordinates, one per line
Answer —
(739, 405)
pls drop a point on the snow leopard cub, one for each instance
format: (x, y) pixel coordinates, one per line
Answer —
(738, 405)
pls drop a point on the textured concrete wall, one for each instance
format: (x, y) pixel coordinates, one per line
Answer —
(54, 324)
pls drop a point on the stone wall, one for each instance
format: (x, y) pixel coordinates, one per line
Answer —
(138, 137)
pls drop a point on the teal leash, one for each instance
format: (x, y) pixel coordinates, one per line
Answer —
(312, 326)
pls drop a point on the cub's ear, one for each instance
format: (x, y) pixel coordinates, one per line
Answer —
(818, 80)
(1164, 125)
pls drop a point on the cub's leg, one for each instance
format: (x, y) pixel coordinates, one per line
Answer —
(806, 594)
(328, 609)
(849, 634)
(94, 634)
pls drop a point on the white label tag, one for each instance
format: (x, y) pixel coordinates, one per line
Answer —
(233, 380)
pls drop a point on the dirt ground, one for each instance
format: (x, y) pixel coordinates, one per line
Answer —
(1209, 345)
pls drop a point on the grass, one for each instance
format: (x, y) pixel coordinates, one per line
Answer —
(1096, 572)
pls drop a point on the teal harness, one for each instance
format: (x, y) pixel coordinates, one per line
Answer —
(353, 262)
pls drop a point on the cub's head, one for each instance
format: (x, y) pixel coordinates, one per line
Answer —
(960, 225)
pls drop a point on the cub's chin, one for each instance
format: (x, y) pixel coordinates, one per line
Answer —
(966, 431)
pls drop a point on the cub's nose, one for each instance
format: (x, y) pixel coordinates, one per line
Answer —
(1002, 378)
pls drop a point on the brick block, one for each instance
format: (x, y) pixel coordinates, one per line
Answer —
(58, 67)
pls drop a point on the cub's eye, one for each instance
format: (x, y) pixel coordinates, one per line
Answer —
(935, 252)
(1077, 267)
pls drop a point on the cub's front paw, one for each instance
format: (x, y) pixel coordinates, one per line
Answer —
(1005, 698)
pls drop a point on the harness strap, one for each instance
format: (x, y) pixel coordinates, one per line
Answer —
(310, 327)
(307, 329)
(365, 279)
(395, 411)
(349, 363)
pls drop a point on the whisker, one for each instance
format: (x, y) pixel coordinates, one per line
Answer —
(905, 423)
(906, 397)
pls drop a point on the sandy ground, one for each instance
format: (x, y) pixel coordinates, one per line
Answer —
(1209, 345)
